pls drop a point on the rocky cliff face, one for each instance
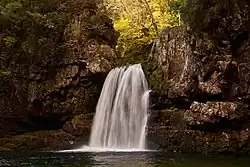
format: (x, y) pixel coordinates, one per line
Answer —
(209, 56)
(73, 83)
(59, 89)
(201, 68)
(206, 63)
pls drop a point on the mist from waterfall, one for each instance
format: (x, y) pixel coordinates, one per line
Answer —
(122, 111)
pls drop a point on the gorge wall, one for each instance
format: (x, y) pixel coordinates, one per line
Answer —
(202, 69)
(198, 73)
(57, 90)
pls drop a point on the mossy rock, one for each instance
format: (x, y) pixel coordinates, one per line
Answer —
(156, 81)
(169, 117)
(79, 125)
(82, 117)
(37, 141)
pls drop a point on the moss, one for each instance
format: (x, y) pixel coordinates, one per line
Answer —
(20, 142)
(82, 117)
(36, 140)
(173, 109)
(156, 81)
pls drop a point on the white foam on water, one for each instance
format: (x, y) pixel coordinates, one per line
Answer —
(92, 149)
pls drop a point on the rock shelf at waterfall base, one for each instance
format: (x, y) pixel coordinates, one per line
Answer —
(122, 112)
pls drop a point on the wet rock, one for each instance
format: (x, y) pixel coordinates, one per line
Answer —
(189, 141)
(79, 125)
(170, 117)
(170, 69)
(210, 115)
(41, 140)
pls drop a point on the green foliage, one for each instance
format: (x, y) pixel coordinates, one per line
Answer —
(177, 5)
(28, 30)
(4, 73)
(204, 15)
(9, 41)
(173, 109)
(80, 118)
(175, 8)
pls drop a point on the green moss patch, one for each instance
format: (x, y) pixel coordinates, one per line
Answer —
(36, 141)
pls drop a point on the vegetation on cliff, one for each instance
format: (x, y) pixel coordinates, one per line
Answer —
(139, 22)
(29, 30)
(53, 60)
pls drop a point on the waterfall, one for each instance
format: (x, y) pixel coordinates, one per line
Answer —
(122, 111)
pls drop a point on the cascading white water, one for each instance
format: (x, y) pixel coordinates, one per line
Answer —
(122, 110)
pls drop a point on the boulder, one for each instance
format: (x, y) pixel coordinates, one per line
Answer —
(216, 115)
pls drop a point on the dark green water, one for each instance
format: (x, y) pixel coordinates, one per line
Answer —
(132, 159)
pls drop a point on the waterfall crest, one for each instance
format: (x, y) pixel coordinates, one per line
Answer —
(122, 110)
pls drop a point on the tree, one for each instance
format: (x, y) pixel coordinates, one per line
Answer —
(140, 21)
(28, 29)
